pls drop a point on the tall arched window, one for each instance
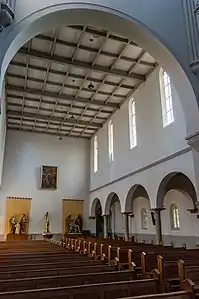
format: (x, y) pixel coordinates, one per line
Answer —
(166, 98)
(132, 124)
(110, 141)
(144, 219)
(175, 217)
(95, 164)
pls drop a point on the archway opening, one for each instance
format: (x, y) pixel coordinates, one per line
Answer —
(96, 212)
(178, 197)
(115, 217)
(140, 221)
(131, 28)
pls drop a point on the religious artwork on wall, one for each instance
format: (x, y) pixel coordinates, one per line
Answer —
(49, 177)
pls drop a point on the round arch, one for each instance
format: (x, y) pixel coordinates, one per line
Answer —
(111, 200)
(112, 19)
(178, 181)
(95, 206)
(134, 192)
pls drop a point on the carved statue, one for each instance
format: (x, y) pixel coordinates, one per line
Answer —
(47, 224)
(79, 222)
(13, 223)
(17, 228)
(74, 226)
(23, 224)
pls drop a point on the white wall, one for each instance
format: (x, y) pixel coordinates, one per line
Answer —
(188, 222)
(2, 130)
(166, 146)
(24, 156)
(154, 141)
(136, 222)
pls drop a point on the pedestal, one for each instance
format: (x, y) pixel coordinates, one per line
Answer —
(20, 237)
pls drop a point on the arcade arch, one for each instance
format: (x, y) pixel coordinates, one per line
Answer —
(177, 205)
(115, 217)
(119, 18)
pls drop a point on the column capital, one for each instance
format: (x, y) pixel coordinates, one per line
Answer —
(193, 141)
(158, 209)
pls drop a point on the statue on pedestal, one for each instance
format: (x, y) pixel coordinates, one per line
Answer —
(74, 226)
(23, 224)
(47, 233)
(13, 223)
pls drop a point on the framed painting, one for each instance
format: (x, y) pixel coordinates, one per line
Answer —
(49, 177)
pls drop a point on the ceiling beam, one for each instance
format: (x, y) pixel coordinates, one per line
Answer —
(12, 119)
(20, 97)
(80, 64)
(70, 75)
(97, 32)
(26, 106)
(85, 136)
(59, 84)
(54, 95)
(32, 126)
(94, 50)
(53, 119)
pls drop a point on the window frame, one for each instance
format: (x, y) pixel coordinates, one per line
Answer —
(132, 124)
(166, 98)
(95, 154)
(174, 217)
(144, 226)
(111, 141)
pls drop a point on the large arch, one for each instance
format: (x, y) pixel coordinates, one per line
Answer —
(134, 192)
(96, 212)
(117, 17)
(111, 200)
(178, 181)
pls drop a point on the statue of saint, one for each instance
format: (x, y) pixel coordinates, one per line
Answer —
(17, 228)
(78, 222)
(23, 224)
(47, 224)
(13, 223)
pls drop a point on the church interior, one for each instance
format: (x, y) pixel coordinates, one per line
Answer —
(99, 150)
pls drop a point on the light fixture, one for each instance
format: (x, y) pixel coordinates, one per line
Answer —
(60, 138)
(91, 85)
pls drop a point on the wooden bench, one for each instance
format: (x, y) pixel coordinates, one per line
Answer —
(64, 280)
(110, 290)
(55, 271)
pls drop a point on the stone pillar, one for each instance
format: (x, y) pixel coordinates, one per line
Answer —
(158, 225)
(105, 226)
(193, 142)
(126, 226)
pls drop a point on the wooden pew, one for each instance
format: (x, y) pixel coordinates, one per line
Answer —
(64, 280)
(49, 265)
(190, 271)
(78, 269)
(111, 290)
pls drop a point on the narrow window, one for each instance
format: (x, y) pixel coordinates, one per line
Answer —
(110, 141)
(95, 154)
(175, 217)
(144, 219)
(132, 124)
(166, 98)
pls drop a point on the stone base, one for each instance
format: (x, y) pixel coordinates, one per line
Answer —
(47, 235)
(20, 237)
